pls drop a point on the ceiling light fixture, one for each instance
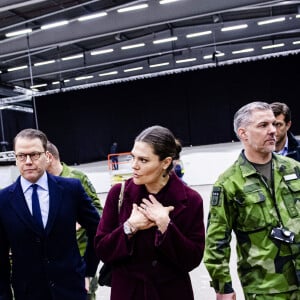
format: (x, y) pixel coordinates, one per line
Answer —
(133, 46)
(131, 8)
(72, 57)
(84, 77)
(236, 27)
(44, 63)
(171, 39)
(296, 42)
(243, 51)
(196, 34)
(180, 61)
(159, 65)
(133, 69)
(108, 73)
(53, 25)
(19, 32)
(104, 51)
(270, 21)
(272, 46)
(167, 1)
(92, 16)
(17, 68)
(38, 85)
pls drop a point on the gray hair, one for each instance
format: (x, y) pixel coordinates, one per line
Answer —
(243, 117)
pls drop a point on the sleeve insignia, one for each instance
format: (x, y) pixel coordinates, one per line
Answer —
(215, 196)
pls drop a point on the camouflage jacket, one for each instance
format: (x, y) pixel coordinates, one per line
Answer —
(90, 190)
(242, 202)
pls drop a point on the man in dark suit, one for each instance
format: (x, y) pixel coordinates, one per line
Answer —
(46, 263)
(286, 142)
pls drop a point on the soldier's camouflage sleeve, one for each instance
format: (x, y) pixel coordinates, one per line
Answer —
(81, 236)
(90, 190)
(218, 238)
(86, 183)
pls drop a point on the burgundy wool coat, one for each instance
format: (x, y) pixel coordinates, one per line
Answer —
(151, 265)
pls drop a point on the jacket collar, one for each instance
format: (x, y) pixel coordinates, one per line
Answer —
(175, 195)
(18, 203)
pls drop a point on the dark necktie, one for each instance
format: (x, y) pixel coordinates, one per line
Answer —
(36, 210)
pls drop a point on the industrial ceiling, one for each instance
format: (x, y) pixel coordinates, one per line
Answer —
(100, 42)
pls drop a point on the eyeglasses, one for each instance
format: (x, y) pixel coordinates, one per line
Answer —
(33, 156)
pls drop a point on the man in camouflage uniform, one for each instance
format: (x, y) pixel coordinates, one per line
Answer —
(58, 168)
(258, 198)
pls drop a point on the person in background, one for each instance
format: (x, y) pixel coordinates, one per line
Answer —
(114, 158)
(178, 168)
(158, 236)
(286, 143)
(38, 215)
(58, 168)
(256, 198)
(177, 163)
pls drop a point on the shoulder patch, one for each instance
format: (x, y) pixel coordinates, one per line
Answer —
(215, 196)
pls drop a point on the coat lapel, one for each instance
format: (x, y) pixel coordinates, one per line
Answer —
(19, 205)
(55, 200)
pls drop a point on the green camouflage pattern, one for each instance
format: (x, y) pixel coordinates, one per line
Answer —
(242, 202)
(81, 233)
(90, 190)
(294, 295)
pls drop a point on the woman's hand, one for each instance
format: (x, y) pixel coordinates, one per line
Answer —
(156, 212)
(138, 220)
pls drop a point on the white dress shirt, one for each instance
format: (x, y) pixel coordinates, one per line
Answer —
(43, 193)
(284, 150)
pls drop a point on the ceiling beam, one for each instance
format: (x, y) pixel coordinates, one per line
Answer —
(156, 14)
(216, 39)
(6, 5)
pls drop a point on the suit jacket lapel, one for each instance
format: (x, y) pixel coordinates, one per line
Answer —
(18, 203)
(55, 200)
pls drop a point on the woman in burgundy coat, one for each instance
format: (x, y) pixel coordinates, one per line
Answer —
(157, 238)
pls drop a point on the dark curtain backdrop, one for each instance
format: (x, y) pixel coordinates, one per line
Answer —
(13, 122)
(198, 106)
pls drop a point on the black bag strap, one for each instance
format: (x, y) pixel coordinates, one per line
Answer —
(121, 195)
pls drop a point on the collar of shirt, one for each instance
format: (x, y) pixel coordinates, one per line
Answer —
(284, 150)
(42, 183)
(43, 193)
